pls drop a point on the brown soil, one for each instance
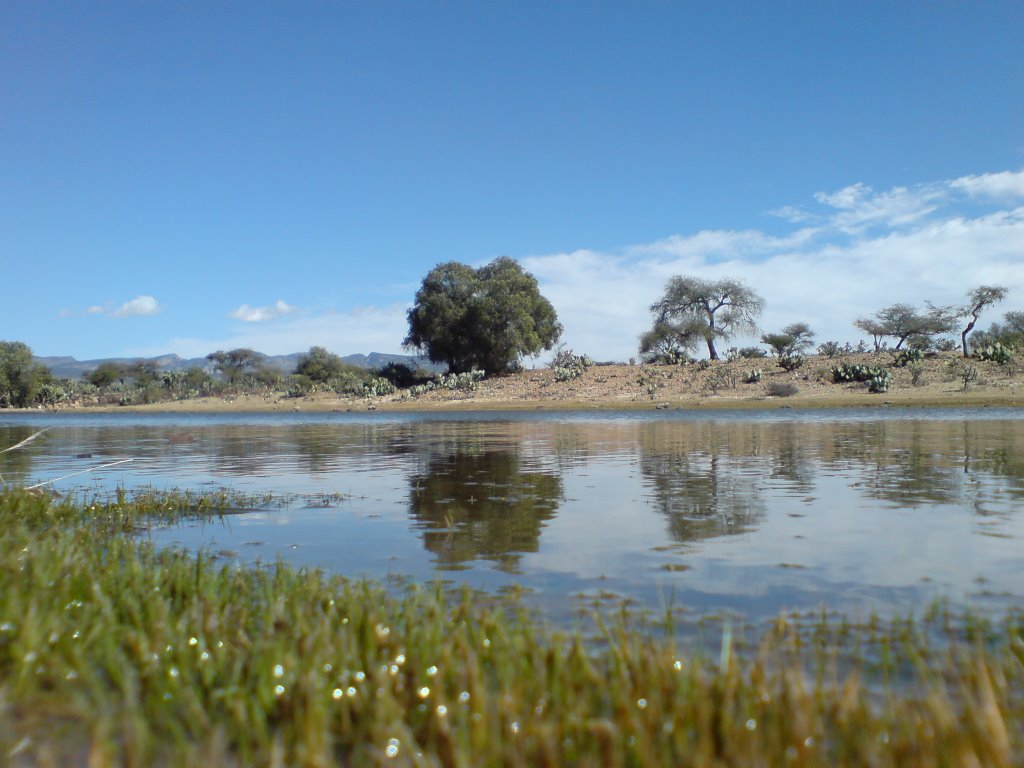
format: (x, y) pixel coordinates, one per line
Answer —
(720, 385)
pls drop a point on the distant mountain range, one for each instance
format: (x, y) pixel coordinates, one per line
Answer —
(70, 368)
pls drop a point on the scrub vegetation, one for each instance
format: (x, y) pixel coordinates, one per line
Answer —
(481, 323)
(115, 653)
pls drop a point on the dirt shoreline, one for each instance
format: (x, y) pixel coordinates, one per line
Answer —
(718, 386)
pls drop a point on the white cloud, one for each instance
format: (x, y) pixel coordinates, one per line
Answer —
(865, 251)
(248, 314)
(1003, 185)
(847, 198)
(792, 213)
(923, 248)
(140, 305)
(860, 206)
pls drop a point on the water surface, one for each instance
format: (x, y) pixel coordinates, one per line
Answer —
(857, 511)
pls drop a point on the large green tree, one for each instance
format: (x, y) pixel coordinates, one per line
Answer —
(20, 377)
(106, 374)
(695, 310)
(487, 318)
(319, 365)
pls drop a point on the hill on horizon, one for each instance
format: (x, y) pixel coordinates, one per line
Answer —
(66, 367)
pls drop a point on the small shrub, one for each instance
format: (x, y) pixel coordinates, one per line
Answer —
(751, 353)
(298, 385)
(833, 348)
(668, 357)
(790, 362)
(782, 389)
(399, 374)
(968, 374)
(649, 380)
(916, 374)
(718, 379)
(964, 371)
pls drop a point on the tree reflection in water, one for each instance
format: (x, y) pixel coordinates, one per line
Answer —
(703, 495)
(481, 505)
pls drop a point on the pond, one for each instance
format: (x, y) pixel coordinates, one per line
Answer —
(860, 511)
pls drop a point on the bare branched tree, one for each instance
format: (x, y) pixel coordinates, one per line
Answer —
(980, 299)
(708, 309)
(903, 322)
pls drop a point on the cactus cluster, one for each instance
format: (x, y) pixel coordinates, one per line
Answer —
(994, 352)
(790, 362)
(568, 366)
(856, 372)
(879, 383)
(906, 356)
(752, 376)
(467, 381)
(378, 386)
(876, 377)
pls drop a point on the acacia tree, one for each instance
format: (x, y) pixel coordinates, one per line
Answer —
(979, 299)
(697, 309)
(794, 339)
(235, 363)
(903, 322)
(486, 318)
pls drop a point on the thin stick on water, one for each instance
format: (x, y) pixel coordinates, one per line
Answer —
(24, 442)
(80, 472)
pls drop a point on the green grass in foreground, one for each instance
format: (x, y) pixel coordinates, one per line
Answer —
(112, 653)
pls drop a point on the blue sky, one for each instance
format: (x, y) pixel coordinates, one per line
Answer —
(183, 177)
